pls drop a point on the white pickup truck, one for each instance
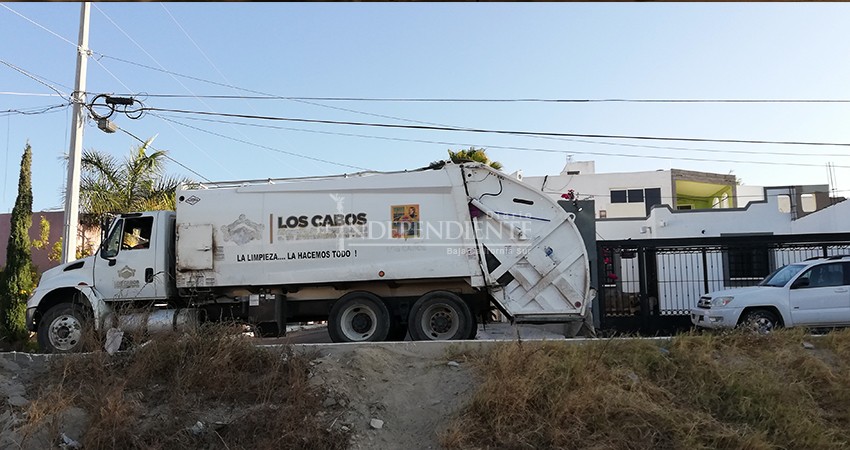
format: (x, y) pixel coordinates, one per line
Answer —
(812, 293)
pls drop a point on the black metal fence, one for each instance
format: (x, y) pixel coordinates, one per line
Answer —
(649, 286)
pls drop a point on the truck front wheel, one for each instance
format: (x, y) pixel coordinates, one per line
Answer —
(62, 329)
(440, 315)
(359, 317)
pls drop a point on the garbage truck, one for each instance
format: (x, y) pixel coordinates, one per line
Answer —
(428, 252)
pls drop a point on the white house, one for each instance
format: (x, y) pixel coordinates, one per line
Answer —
(679, 203)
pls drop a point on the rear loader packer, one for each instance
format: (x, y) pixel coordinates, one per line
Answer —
(427, 252)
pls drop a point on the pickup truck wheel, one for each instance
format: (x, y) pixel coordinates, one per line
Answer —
(62, 329)
(440, 316)
(359, 317)
(760, 321)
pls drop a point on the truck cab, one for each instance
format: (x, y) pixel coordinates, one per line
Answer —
(134, 265)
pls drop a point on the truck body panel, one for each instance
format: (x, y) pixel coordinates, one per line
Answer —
(387, 227)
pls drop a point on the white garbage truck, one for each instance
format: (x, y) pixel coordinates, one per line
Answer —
(377, 255)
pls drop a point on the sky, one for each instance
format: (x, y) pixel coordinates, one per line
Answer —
(428, 51)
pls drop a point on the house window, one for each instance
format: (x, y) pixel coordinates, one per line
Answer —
(635, 195)
(618, 196)
(783, 202)
(649, 197)
(808, 202)
(680, 207)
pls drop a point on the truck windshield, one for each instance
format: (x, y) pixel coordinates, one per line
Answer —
(780, 277)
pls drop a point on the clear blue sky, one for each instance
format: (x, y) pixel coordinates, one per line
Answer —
(656, 51)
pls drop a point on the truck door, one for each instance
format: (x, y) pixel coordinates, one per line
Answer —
(823, 298)
(127, 267)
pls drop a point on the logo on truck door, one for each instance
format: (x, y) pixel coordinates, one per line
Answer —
(125, 273)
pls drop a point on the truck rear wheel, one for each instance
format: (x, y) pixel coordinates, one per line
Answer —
(440, 315)
(63, 329)
(359, 317)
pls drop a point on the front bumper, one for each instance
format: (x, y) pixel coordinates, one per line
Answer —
(715, 318)
(31, 319)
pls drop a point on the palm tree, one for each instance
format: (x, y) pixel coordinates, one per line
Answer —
(474, 154)
(138, 183)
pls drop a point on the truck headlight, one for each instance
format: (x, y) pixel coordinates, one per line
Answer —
(721, 301)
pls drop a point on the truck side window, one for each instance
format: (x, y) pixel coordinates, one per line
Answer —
(137, 233)
(113, 241)
(826, 275)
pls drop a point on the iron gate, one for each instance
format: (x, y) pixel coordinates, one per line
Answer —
(649, 286)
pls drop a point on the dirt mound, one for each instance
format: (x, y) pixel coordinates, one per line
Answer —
(219, 391)
(393, 397)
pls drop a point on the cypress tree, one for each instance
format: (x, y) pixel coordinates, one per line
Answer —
(17, 282)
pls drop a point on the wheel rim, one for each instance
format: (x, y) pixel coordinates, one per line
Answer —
(359, 322)
(762, 325)
(440, 321)
(65, 332)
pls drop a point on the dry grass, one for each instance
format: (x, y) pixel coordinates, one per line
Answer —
(733, 391)
(150, 397)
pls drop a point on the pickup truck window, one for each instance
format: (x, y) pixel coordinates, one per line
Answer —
(825, 275)
(780, 277)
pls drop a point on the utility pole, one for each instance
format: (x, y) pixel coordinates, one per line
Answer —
(72, 191)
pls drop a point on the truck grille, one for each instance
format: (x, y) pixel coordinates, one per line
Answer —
(704, 302)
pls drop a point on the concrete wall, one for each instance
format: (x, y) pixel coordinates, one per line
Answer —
(39, 257)
(88, 238)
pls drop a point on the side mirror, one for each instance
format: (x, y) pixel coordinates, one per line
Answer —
(800, 283)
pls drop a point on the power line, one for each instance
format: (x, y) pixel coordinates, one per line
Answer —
(264, 146)
(159, 64)
(438, 126)
(36, 110)
(265, 94)
(488, 100)
(165, 154)
(530, 149)
(32, 76)
(621, 144)
(491, 131)
(39, 25)
(30, 94)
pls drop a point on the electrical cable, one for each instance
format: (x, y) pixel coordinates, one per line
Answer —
(30, 94)
(38, 25)
(34, 77)
(538, 136)
(165, 155)
(491, 131)
(489, 100)
(220, 73)
(424, 141)
(33, 111)
(264, 146)
(157, 63)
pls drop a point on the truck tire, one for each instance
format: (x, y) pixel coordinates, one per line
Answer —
(63, 329)
(761, 321)
(440, 315)
(359, 317)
